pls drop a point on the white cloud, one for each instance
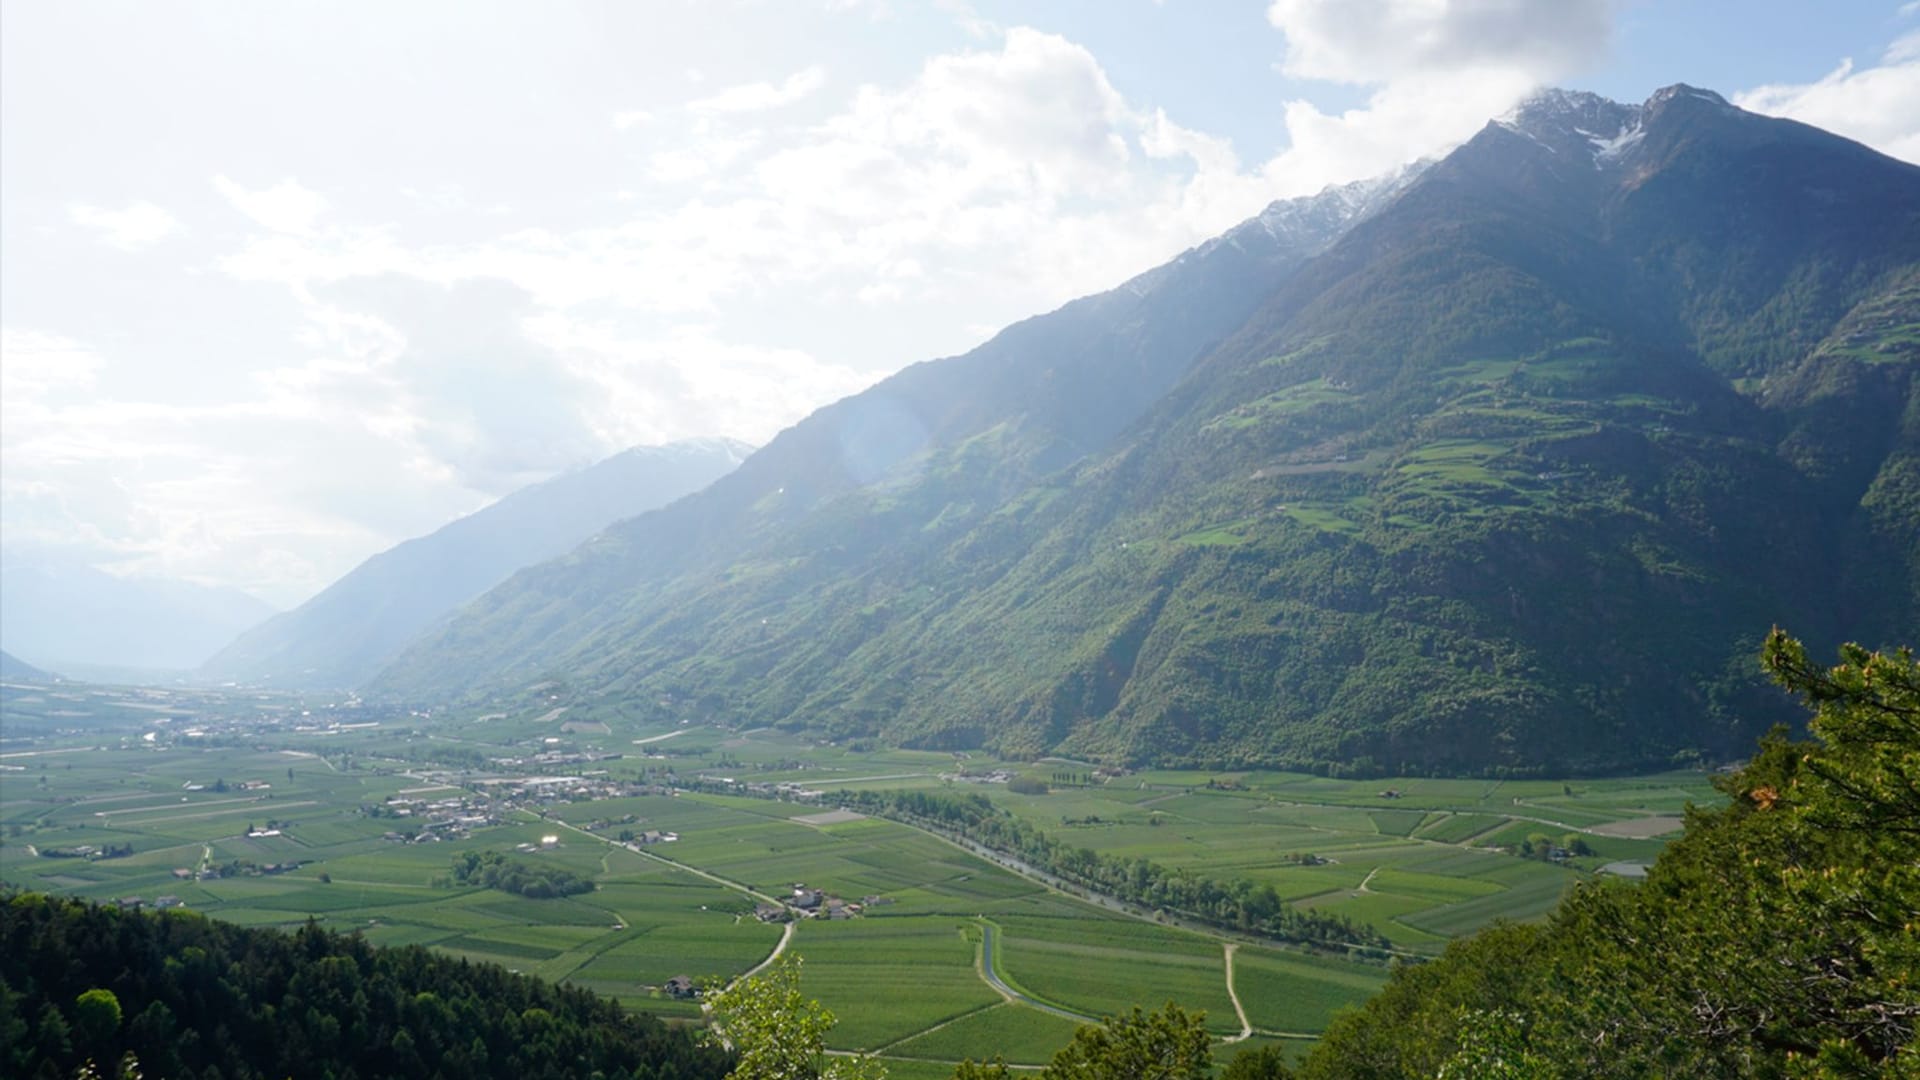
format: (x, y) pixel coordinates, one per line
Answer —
(708, 152)
(1377, 41)
(286, 207)
(631, 118)
(1878, 105)
(727, 269)
(1437, 69)
(1403, 121)
(762, 96)
(130, 228)
(34, 364)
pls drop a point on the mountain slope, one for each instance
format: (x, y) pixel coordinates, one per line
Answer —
(1513, 475)
(12, 667)
(69, 616)
(345, 633)
(946, 441)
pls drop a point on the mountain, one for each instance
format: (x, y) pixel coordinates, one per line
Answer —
(892, 472)
(70, 616)
(1511, 471)
(348, 631)
(18, 670)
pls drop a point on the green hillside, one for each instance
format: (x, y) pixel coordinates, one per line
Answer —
(1513, 476)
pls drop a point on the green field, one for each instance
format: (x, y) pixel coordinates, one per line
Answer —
(310, 822)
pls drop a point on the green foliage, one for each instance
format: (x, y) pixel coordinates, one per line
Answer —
(96, 1019)
(777, 1033)
(1492, 1046)
(1774, 939)
(209, 1000)
(1170, 1044)
(493, 870)
(1267, 1062)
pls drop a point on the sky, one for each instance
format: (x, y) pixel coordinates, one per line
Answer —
(284, 284)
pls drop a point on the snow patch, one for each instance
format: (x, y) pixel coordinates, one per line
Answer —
(1605, 150)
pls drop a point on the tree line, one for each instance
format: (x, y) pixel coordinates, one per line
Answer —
(1239, 905)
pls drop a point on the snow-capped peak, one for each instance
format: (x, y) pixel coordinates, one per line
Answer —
(1580, 124)
(1682, 90)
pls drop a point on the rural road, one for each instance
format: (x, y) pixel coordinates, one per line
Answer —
(786, 936)
(1246, 1027)
(988, 972)
(694, 870)
(779, 947)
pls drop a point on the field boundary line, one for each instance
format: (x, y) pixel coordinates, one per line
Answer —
(195, 817)
(949, 1021)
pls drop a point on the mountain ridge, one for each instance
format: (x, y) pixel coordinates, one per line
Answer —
(1532, 382)
(345, 633)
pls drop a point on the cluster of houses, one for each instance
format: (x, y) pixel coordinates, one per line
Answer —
(548, 759)
(558, 789)
(135, 903)
(237, 868)
(997, 776)
(786, 790)
(808, 903)
(451, 818)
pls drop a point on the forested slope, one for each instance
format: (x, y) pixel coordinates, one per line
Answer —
(190, 997)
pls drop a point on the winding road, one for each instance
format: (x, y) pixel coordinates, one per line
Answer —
(989, 971)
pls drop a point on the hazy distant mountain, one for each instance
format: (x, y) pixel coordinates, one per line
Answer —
(1513, 474)
(18, 670)
(344, 634)
(64, 615)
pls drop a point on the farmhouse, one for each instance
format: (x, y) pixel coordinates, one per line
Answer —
(680, 986)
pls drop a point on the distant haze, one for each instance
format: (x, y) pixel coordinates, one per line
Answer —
(283, 285)
(71, 618)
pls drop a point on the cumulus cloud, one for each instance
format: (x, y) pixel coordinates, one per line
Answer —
(132, 227)
(274, 493)
(1377, 41)
(760, 96)
(716, 266)
(1878, 105)
(286, 207)
(495, 408)
(34, 364)
(1437, 69)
